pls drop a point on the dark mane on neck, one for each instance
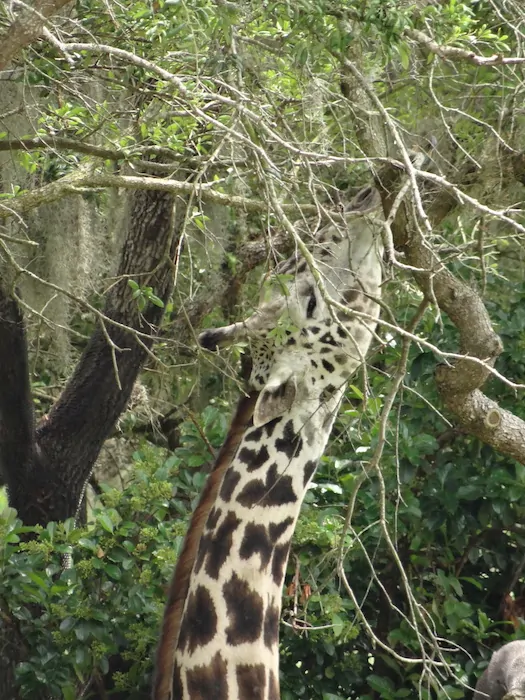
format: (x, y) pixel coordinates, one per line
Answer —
(179, 585)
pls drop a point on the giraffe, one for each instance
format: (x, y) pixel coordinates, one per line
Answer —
(504, 677)
(226, 647)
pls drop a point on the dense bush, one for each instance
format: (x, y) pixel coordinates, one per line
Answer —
(245, 106)
(100, 617)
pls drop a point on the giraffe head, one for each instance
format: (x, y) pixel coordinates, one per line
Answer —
(303, 348)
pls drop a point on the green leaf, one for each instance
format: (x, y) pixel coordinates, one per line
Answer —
(381, 685)
(69, 692)
(67, 624)
(40, 582)
(356, 392)
(338, 624)
(113, 571)
(106, 522)
(103, 664)
(82, 656)
(51, 529)
(156, 301)
(82, 631)
(404, 54)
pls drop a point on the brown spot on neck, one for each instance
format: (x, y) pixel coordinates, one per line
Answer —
(180, 582)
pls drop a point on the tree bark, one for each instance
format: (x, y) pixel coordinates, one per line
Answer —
(46, 467)
(26, 27)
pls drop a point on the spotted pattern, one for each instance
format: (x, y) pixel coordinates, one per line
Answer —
(215, 546)
(291, 443)
(200, 620)
(244, 608)
(208, 681)
(213, 518)
(275, 490)
(278, 529)
(271, 626)
(270, 427)
(229, 640)
(274, 687)
(279, 559)
(254, 435)
(251, 681)
(329, 339)
(256, 541)
(309, 469)
(176, 686)
(254, 459)
(312, 302)
(328, 366)
(231, 480)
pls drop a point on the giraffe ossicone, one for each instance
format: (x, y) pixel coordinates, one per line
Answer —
(304, 351)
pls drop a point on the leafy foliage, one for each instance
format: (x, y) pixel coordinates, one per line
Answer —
(456, 506)
(245, 100)
(100, 617)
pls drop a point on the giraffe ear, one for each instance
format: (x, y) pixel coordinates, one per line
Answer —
(274, 400)
(366, 200)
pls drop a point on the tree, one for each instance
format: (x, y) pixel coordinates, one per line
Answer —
(224, 123)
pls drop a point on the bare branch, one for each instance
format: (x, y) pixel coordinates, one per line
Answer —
(459, 384)
(454, 53)
(84, 177)
(481, 416)
(131, 154)
(63, 144)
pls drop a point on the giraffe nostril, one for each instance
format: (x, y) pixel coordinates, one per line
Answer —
(210, 339)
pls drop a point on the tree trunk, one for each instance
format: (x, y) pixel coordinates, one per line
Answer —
(46, 466)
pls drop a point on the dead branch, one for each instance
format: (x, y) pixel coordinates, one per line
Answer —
(454, 53)
(460, 383)
(84, 178)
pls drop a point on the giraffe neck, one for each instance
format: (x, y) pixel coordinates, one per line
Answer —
(178, 589)
(303, 354)
(228, 644)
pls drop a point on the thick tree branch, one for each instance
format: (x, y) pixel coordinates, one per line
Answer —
(132, 154)
(17, 423)
(99, 389)
(459, 384)
(481, 416)
(455, 53)
(26, 27)
(58, 143)
(47, 482)
(83, 178)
